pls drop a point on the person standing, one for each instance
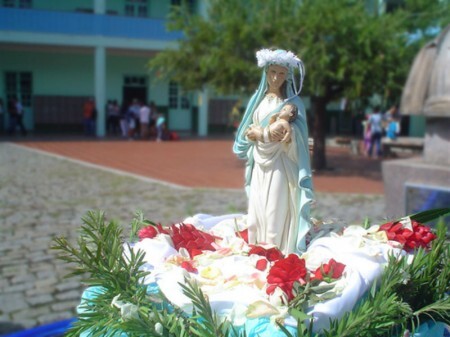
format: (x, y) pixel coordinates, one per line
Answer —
(113, 117)
(376, 129)
(89, 115)
(153, 116)
(133, 119)
(144, 120)
(124, 119)
(235, 116)
(278, 178)
(16, 112)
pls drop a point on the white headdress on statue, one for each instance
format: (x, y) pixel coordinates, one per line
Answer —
(288, 59)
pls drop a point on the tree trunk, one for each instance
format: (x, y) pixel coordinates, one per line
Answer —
(318, 109)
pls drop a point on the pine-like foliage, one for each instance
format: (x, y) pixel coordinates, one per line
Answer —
(408, 293)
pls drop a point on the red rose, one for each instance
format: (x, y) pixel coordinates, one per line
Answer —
(261, 264)
(330, 270)
(189, 237)
(243, 234)
(257, 250)
(419, 236)
(162, 230)
(274, 254)
(189, 267)
(284, 273)
(148, 232)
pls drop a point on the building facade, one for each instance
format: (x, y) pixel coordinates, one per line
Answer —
(54, 55)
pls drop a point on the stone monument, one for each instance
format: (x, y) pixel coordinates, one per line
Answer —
(416, 184)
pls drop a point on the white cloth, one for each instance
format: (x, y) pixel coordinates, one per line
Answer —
(233, 284)
(273, 199)
(144, 115)
(375, 122)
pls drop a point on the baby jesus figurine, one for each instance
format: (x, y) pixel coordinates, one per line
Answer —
(279, 128)
(279, 123)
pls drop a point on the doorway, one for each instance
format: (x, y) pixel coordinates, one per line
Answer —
(134, 87)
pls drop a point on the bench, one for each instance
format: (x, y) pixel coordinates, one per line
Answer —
(413, 144)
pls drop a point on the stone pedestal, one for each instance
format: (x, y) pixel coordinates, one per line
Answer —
(437, 141)
(401, 175)
(428, 175)
(427, 93)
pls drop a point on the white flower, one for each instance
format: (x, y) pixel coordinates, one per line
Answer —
(278, 297)
(282, 57)
(159, 328)
(127, 310)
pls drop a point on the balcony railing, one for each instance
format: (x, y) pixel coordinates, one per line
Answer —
(40, 21)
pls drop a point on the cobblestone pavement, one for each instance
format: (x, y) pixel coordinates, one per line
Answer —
(42, 197)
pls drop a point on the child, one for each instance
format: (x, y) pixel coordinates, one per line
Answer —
(392, 128)
(367, 136)
(279, 123)
(160, 127)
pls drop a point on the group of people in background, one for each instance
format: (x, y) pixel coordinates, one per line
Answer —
(136, 120)
(378, 125)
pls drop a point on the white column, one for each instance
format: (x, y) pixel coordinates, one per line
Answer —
(203, 112)
(100, 89)
(99, 6)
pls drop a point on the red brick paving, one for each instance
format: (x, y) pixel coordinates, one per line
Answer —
(209, 163)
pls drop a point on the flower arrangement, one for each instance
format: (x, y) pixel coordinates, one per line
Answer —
(130, 292)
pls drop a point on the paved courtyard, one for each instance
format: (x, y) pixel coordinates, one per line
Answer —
(43, 196)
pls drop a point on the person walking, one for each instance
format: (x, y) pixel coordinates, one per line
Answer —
(376, 129)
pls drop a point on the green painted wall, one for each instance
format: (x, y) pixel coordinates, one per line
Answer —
(54, 73)
(159, 9)
(156, 8)
(417, 126)
(72, 74)
(63, 5)
(180, 119)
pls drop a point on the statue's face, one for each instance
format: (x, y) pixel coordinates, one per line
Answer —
(276, 75)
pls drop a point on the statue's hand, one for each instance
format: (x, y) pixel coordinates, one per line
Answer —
(254, 133)
(277, 135)
(287, 137)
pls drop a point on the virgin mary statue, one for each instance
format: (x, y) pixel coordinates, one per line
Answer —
(278, 178)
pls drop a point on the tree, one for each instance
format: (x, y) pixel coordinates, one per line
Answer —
(347, 50)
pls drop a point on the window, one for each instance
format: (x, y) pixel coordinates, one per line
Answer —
(189, 3)
(19, 84)
(25, 3)
(135, 81)
(136, 8)
(173, 95)
(185, 104)
(9, 3)
(18, 3)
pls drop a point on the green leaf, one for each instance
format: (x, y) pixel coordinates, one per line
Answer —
(298, 314)
(430, 215)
